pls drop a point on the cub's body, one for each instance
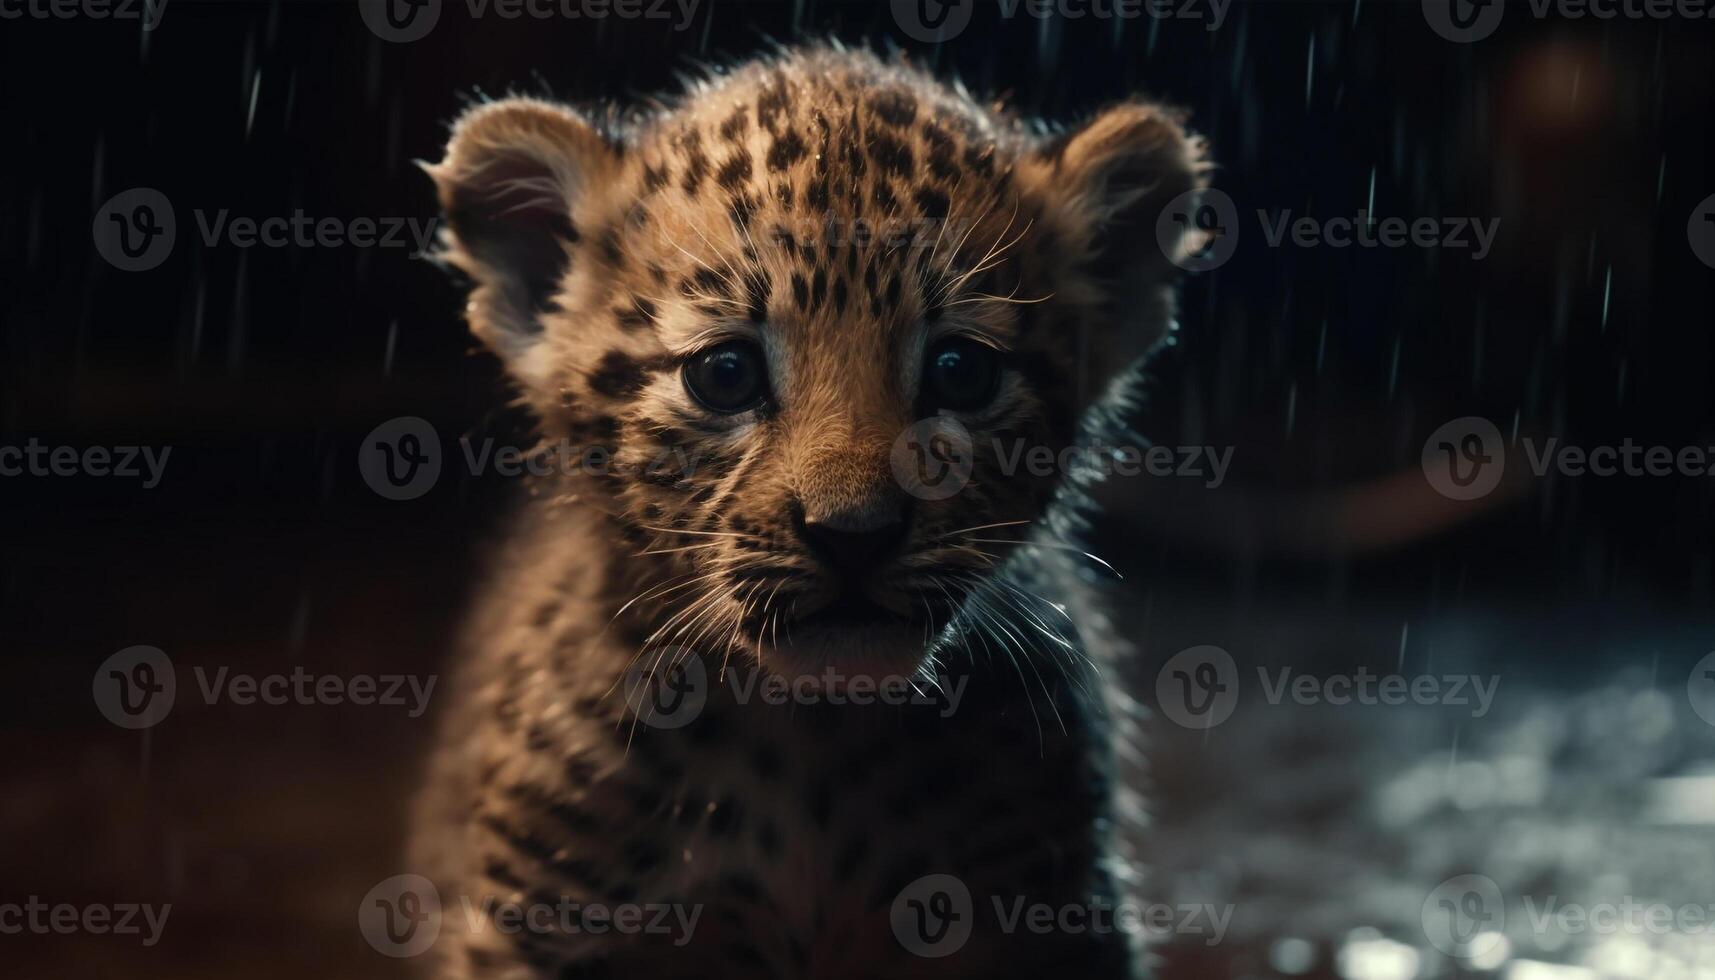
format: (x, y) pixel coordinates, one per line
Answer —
(672, 701)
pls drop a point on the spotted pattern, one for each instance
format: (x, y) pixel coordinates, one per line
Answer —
(842, 213)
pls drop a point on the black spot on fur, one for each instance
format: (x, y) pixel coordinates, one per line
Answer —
(819, 289)
(819, 196)
(896, 107)
(640, 314)
(501, 873)
(696, 162)
(618, 375)
(610, 248)
(890, 154)
(735, 171)
(706, 282)
(800, 291)
(933, 203)
(980, 160)
(655, 178)
(884, 196)
(760, 288)
(788, 148)
(735, 125)
(741, 210)
(773, 101)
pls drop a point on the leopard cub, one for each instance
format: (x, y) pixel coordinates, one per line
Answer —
(780, 687)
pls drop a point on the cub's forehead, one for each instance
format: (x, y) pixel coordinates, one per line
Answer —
(836, 185)
(819, 135)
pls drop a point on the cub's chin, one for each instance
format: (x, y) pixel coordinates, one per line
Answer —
(840, 644)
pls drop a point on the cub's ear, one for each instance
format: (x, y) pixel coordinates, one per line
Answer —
(1110, 182)
(516, 176)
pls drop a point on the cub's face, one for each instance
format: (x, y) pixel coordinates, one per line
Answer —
(819, 314)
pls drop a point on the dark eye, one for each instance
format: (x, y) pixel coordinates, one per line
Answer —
(961, 375)
(729, 378)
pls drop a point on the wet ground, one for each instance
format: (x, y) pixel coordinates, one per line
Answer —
(1314, 835)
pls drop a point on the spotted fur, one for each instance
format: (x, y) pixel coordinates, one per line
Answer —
(844, 213)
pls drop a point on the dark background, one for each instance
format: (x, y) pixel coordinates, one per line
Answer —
(1324, 369)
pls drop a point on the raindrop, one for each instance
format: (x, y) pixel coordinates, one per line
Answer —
(255, 90)
(392, 346)
(1607, 294)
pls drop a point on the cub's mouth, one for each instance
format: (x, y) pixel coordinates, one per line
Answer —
(852, 611)
(855, 634)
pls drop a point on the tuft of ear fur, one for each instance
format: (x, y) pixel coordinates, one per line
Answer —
(516, 176)
(1110, 182)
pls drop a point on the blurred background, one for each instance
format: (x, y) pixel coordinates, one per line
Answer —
(1326, 549)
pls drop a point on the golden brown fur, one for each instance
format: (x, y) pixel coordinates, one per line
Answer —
(844, 214)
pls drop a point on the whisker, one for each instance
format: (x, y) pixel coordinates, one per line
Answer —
(1053, 545)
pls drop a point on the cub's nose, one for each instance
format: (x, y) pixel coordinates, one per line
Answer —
(852, 545)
